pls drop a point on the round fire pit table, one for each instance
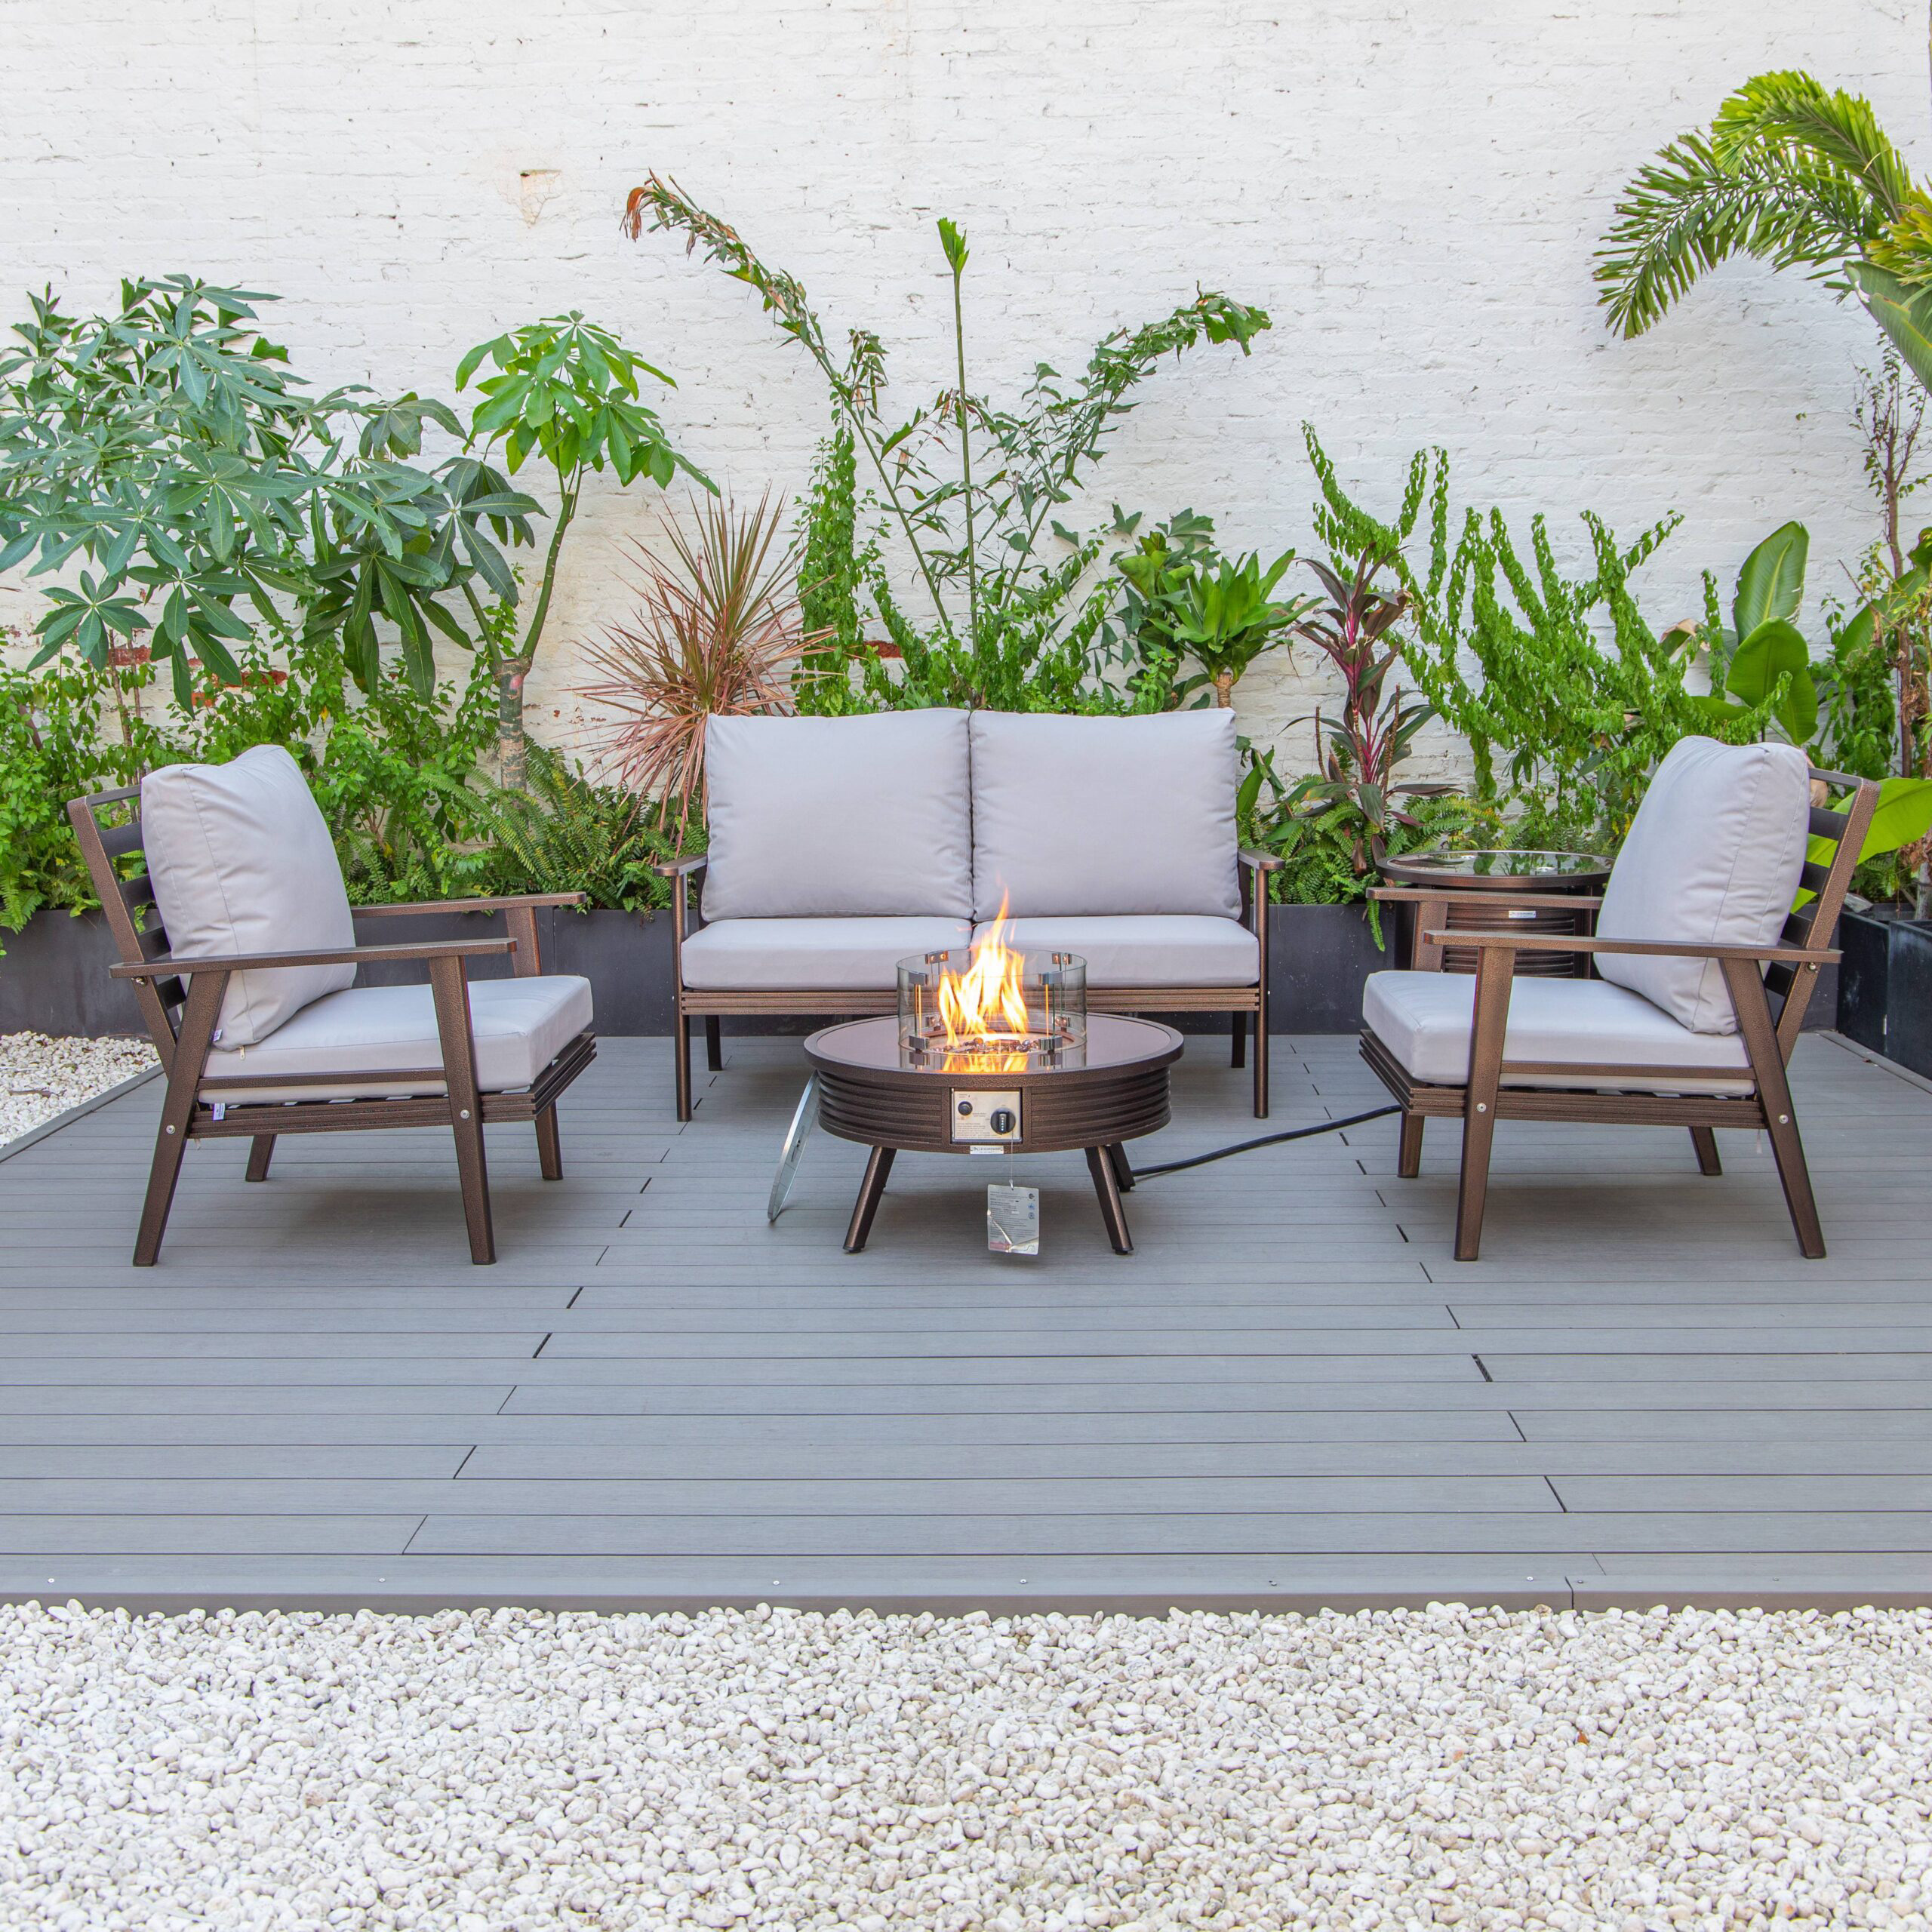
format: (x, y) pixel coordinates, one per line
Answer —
(962, 1102)
(1466, 878)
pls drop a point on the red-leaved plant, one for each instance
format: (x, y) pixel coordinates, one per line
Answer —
(717, 623)
(1360, 751)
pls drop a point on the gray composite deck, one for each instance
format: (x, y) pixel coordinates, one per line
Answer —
(1290, 1396)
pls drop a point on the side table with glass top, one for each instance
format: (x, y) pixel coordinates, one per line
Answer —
(1448, 890)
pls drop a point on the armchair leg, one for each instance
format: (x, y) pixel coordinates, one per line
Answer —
(261, 1151)
(459, 1047)
(1408, 1154)
(1486, 1038)
(549, 1144)
(1760, 1046)
(681, 1057)
(1261, 1065)
(177, 1110)
(714, 1043)
(1238, 1056)
(1705, 1139)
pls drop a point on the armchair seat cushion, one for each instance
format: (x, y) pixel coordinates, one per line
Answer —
(1150, 949)
(1423, 1019)
(811, 955)
(519, 1025)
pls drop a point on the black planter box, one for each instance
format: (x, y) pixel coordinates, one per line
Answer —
(1884, 998)
(53, 975)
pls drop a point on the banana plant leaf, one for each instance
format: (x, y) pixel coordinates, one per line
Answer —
(1773, 650)
(1903, 310)
(1771, 582)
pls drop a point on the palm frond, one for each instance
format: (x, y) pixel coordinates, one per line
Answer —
(1789, 173)
(1792, 115)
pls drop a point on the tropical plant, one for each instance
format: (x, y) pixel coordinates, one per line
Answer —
(969, 492)
(1565, 695)
(1183, 600)
(1355, 791)
(568, 391)
(197, 492)
(1791, 173)
(716, 627)
(1762, 664)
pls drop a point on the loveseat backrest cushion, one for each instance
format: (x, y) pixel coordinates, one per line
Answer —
(859, 818)
(1713, 857)
(242, 862)
(1075, 815)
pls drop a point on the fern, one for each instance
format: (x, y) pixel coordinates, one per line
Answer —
(564, 833)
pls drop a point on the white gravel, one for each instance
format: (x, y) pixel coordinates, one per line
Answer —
(511, 1771)
(40, 1077)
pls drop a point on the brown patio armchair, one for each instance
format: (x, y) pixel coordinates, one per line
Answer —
(239, 939)
(1673, 1022)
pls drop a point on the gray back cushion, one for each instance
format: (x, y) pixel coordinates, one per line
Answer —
(1713, 855)
(1105, 815)
(838, 817)
(243, 863)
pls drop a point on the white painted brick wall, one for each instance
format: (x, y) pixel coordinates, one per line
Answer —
(1413, 190)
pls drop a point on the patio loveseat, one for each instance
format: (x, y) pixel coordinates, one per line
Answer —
(839, 846)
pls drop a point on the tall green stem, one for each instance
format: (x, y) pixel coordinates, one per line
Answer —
(966, 464)
(511, 742)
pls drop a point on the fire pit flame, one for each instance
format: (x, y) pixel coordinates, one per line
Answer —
(989, 1010)
(986, 1006)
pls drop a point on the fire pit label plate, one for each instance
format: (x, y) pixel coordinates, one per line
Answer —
(1012, 1219)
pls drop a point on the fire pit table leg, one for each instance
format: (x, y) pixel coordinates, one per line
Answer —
(871, 1189)
(1100, 1165)
(1123, 1167)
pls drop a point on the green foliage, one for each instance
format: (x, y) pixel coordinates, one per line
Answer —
(562, 833)
(832, 572)
(1183, 600)
(570, 393)
(967, 490)
(1792, 174)
(1566, 695)
(200, 495)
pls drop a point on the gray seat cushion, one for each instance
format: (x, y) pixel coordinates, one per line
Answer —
(1423, 1019)
(1153, 949)
(1105, 815)
(817, 955)
(838, 817)
(1714, 855)
(519, 1025)
(243, 863)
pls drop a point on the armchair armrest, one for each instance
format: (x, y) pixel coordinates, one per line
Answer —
(692, 862)
(169, 964)
(1789, 956)
(1260, 861)
(511, 902)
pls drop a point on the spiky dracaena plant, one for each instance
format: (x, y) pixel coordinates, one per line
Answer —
(716, 629)
(1791, 173)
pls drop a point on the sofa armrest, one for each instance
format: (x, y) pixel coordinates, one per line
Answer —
(683, 868)
(1257, 860)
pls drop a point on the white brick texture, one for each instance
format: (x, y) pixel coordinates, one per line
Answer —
(1413, 188)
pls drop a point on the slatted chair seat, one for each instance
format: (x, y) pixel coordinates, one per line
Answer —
(240, 942)
(1700, 930)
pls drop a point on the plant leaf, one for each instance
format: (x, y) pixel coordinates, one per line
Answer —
(1771, 583)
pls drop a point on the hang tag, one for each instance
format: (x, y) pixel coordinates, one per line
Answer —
(1012, 1219)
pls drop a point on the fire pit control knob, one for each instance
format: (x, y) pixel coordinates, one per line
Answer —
(965, 1106)
(1004, 1120)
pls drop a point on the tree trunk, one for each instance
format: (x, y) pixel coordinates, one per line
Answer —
(511, 762)
(1224, 690)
